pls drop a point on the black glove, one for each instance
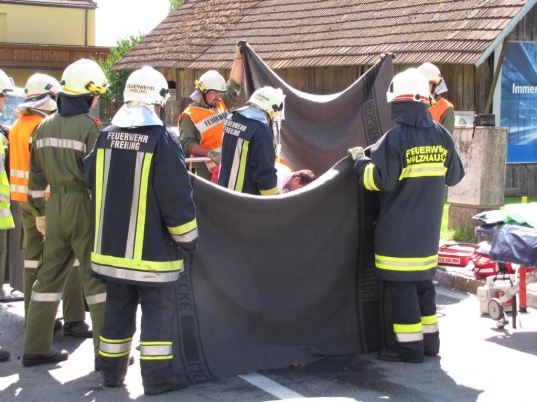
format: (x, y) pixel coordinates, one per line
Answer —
(239, 51)
(360, 164)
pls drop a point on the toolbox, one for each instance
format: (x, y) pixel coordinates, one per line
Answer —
(455, 254)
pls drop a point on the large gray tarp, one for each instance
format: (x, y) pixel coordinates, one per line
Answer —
(288, 278)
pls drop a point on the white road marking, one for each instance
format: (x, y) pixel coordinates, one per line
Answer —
(269, 386)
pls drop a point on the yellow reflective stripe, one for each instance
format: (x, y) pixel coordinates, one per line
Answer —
(407, 328)
(141, 265)
(369, 180)
(429, 319)
(423, 170)
(408, 332)
(169, 357)
(96, 299)
(115, 347)
(272, 191)
(185, 233)
(406, 264)
(142, 204)
(98, 193)
(156, 350)
(46, 297)
(242, 166)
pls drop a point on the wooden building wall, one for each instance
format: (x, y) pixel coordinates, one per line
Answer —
(468, 89)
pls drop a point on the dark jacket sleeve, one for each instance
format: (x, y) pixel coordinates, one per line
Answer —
(174, 193)
(263, 162)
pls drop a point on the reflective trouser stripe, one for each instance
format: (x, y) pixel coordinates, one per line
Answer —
(46, 297)
(30, 264)
(96, 299)
(115, 347)
(156, 350)
(408, 332)
(430, 324)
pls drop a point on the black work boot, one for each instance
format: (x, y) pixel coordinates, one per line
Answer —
(77, 328)
(173, 384)
(53, 356)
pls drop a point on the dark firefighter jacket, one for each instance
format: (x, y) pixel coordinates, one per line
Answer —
(410, 166)
(145, 219)
(248, 156)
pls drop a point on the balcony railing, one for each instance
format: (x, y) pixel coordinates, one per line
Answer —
(16, 55)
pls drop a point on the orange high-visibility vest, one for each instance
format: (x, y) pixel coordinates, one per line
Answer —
(210, 123)
(439, 109)
(19, 155)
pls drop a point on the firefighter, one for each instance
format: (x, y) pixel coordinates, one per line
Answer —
(6, 219)
(441, 109)
(41, 91)
(59, 145)
(248, 155)
(145, 225)
(409, 166)
(201, 123)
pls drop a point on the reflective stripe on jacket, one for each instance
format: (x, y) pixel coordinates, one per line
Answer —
(210, 123)
(19, 155)
(6, 219)
(248, 157)
(410, 167)
(59, 161)
(145, 221)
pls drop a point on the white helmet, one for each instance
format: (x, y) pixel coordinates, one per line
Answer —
(268, 99)
(6, 83)
(41, 84)
(211, 81)
(84, 77)
(148, 86)
(409, 86)
(431, 72)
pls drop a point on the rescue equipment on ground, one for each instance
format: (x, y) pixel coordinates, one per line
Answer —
(455, 254)
(517, 245)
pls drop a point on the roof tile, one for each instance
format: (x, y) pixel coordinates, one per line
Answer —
(305, 33)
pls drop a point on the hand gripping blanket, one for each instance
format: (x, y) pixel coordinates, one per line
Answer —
(289, 278)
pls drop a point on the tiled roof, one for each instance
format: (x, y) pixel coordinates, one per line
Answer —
(304, 33)
(66, 3)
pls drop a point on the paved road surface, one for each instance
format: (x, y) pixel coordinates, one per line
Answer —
(478, 362)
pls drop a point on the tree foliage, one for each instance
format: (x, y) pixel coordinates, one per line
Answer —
(174, 4)
(117, 79)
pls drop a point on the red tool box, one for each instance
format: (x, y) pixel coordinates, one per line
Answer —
(456, 254)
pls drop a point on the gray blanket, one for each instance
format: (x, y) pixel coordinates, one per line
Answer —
(288, 278)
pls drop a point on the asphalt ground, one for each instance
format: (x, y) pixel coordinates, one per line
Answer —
(477, 362)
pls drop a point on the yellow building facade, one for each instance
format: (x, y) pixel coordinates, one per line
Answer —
(46, 36)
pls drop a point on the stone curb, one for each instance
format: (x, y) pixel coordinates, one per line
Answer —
(461, 279)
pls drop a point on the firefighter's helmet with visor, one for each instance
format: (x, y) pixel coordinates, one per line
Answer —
(83, 77)
(147, 86)
(211, 81)
(41, 84)
(409, 86)
(268, 99)
(431, 72)
(6, 83)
